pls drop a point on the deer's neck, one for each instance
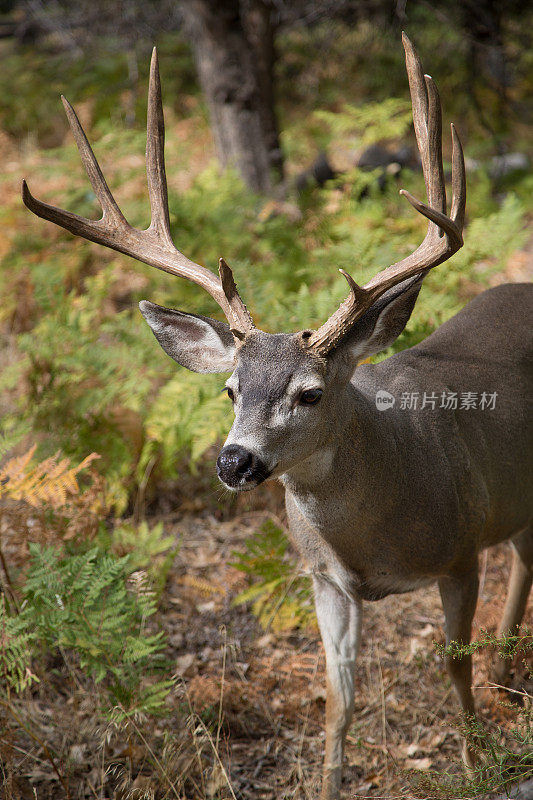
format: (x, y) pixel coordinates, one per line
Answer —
(359, 451)
(384, 503)
(338, 498)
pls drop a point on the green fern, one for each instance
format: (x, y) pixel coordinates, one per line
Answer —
(188, 416)
(147, 547)
(90, 605)
(281, 597)
(16, 641)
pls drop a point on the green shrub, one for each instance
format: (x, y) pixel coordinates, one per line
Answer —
(92, 606)
(505, 757)
(281, 596)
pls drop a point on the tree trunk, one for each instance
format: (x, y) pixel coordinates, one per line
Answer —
(240, 103)
(260, 31)
(487, 58)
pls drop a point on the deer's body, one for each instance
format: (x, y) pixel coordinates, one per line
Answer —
(379, 502)
(402, 496)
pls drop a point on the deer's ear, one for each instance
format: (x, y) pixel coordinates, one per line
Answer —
(382, 323)
(198, 343)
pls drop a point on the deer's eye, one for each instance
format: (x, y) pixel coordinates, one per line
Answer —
(310, 397)
(230, 392)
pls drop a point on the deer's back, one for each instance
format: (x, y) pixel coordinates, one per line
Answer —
(493, 331)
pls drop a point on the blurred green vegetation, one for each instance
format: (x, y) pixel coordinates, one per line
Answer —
(32, 80)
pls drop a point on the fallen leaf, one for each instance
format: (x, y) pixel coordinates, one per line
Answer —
(437, 740)
(428, 630)
(319, 693)
(264, 641)
(422, 764)
(217, 781)
(206, 608)
(186, 665)
(408, 750)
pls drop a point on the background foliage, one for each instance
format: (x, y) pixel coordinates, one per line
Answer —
(93, 377)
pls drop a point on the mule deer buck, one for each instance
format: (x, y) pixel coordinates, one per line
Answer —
(379, 501)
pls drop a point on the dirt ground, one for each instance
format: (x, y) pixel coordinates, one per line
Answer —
(261, 694)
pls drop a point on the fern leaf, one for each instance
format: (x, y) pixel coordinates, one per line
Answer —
(50, 482)
(204, 587)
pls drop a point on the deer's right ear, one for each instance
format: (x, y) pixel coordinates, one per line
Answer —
(198, 343)
(382, 323)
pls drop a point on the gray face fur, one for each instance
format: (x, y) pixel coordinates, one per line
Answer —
(270, 420)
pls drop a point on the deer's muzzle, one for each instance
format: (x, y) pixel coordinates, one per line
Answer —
(239, 468)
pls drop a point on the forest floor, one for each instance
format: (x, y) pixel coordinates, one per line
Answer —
(261, 694)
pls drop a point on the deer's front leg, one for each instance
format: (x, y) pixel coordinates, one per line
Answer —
(339, 620)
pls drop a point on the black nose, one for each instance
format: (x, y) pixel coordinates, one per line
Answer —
(237, 466)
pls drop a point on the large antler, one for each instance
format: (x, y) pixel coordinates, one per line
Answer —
(444, 234)
(153, 246)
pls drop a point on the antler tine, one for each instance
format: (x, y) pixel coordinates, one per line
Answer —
(444, 233)
(89, 229)
(153, 246)
(92, 168)
(427, 119)
(457, 212)
(155, 155)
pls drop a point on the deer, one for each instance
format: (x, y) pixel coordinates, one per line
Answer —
(381, 499)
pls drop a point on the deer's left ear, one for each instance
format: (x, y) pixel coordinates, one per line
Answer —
(382, 323)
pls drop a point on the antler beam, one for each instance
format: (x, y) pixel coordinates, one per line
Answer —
(153, 246)
(444, 233)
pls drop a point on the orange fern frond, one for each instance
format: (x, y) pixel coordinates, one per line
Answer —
(50, 482)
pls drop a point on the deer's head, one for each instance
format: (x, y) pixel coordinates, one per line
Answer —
(287, 389)
(287, 393)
